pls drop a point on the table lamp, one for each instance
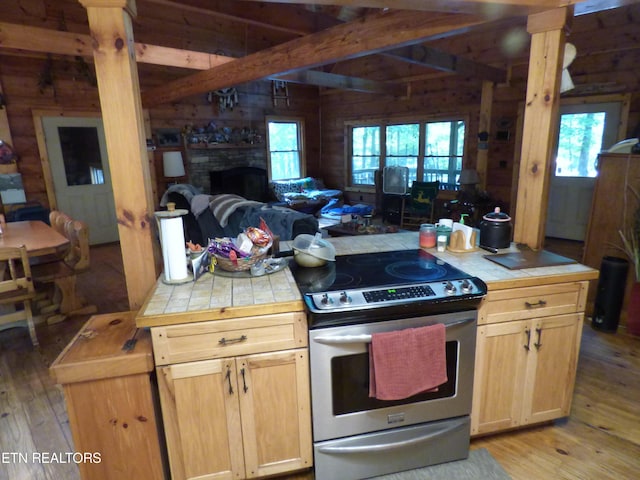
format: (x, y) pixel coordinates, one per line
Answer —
(173, 165)
(469, 176)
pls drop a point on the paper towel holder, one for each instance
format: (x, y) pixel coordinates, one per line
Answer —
(168, 214)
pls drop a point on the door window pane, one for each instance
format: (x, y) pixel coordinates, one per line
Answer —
(81, 155)
(579, 143)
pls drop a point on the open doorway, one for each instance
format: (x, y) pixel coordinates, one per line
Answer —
(76, 170)
(587, 127)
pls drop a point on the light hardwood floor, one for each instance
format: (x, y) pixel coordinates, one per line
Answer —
(600, 440)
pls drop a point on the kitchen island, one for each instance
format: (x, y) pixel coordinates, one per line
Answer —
(221, 343)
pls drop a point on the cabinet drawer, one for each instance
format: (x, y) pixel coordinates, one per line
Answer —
(226, 338)
(532, 302)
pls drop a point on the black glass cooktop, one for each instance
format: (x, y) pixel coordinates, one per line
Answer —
(380, 269)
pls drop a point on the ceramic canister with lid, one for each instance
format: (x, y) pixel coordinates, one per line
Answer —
(495, 230)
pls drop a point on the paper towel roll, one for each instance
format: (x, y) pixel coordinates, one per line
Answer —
(173, 249)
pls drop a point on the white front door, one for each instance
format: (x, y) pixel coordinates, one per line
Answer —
(77, 154)
(585, 130)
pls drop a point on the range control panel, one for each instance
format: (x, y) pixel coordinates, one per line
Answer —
(352, 299)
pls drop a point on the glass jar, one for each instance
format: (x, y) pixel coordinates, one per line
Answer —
(427, 235)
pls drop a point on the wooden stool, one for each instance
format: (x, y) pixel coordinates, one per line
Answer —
(110, 400)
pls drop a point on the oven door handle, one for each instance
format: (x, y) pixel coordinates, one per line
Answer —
(380, 447)
(364, 338)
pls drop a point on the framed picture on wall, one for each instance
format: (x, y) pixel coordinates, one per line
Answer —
(168, 137)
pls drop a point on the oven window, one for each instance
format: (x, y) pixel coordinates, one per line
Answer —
(350, 381)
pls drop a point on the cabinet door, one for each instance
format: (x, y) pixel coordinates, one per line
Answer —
(501, 359)
(276, 411)
(552, 367)
(202, 419)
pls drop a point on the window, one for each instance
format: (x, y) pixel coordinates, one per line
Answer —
(285, 148)
(432, 150)
(444, 149)
(585, 130)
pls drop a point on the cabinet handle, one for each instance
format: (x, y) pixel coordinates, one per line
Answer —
(538, 344)
(244, 381)
(225, 341)
(228, 378)
(528, 332)
(539, 303)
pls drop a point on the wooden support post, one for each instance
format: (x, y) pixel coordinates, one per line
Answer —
(118, 84)
(541, 118)
(484, 127)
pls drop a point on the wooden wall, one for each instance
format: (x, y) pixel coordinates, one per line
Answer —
(608, 45)
(608, 57)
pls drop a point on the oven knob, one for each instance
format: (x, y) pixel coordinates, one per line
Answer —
(449, 288)
(326, 300)
(466, 286)
(344, 298)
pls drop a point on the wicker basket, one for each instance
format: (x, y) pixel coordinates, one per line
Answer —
(242, 263)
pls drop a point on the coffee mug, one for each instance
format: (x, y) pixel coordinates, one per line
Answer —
(445, 222)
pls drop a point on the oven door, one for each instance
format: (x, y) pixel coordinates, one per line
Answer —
(340, 378)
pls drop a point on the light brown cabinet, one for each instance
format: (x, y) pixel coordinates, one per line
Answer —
(241, 416)
(110, 399)
(526, 355)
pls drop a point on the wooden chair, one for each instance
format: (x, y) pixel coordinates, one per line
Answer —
(420, 206)
(63, 273)
(16, 287)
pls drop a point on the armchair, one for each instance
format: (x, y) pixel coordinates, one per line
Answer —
(420, 206)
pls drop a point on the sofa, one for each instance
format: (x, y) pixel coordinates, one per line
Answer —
(304, 194)
(226, 215)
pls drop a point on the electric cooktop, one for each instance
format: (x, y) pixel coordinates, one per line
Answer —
(383, 279)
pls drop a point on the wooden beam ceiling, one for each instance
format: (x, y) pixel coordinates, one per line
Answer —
(365, 36)
(446, 62)
(31, 39)
(282, 18)
(343, 82)
(476, 7)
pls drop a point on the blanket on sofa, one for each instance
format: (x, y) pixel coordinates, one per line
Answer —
(222, 205)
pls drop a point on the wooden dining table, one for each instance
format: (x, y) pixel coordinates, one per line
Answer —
(39, 238)
(44, 244)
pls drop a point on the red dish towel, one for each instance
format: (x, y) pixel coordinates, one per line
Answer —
(406, 362)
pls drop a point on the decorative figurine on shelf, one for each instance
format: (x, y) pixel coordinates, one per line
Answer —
(6, 153)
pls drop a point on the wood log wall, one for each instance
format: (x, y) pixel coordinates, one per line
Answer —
(603, 66)
(608, 46)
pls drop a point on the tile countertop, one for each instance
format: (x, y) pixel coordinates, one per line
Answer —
(215, 297)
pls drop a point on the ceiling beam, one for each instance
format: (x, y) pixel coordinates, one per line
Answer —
(446, 62)
(42, 40)
(332, 80)
(476, 7)
(371, 34)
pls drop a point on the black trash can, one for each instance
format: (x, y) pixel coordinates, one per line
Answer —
(610, 294)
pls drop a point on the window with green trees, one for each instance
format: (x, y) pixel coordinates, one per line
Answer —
(431, 150)
(285, 148)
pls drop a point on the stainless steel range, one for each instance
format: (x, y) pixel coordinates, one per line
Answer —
(356, 436)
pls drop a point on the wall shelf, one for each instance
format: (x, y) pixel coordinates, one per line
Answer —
(218, 146)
